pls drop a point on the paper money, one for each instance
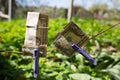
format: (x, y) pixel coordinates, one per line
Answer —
(70, 34)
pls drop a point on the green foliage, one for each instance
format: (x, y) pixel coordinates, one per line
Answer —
(57, 66)
(12, 34)
(55, 25)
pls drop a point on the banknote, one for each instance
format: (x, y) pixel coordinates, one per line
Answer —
(70, 34)
(36, 33)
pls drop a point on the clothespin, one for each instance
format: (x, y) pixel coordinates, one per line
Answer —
(72, 39)
(36, 37)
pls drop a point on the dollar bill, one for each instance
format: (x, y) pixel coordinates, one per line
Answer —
(70, 34)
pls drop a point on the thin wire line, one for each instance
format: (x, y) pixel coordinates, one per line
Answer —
(103, 31)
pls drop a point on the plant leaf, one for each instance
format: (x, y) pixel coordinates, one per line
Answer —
(78, 76)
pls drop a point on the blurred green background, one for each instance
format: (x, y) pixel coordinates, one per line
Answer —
(57, 66)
